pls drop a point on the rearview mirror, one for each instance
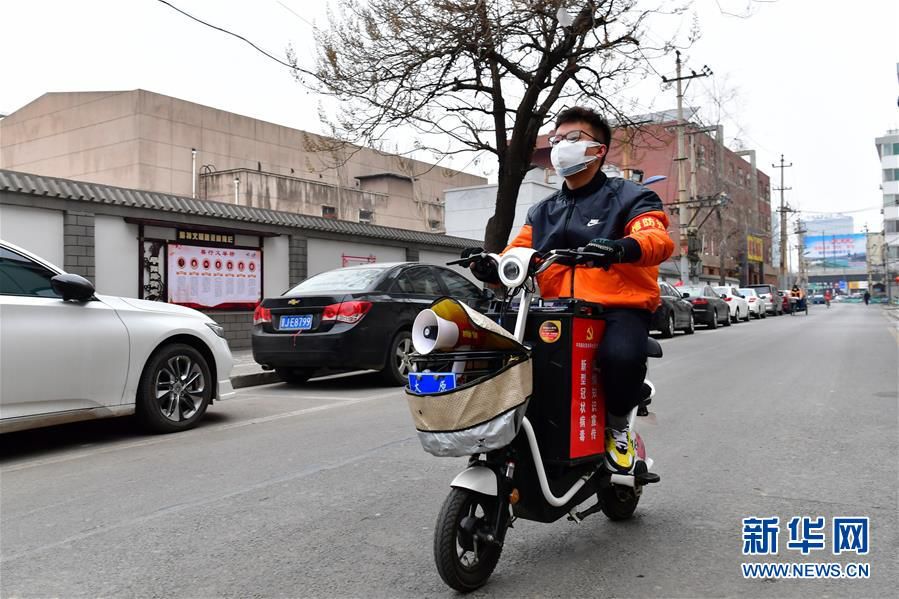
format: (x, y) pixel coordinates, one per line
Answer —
(685, 295)
(72, 287)
(723, 296)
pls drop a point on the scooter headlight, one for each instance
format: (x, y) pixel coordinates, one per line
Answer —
(511, 270)
(513, 266)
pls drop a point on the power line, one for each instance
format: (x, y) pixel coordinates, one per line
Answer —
(296, 14)
(231, 33)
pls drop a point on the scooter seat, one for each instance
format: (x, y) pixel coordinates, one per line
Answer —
(653, 348)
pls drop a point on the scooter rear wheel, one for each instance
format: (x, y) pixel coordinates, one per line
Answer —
(463, 561)
(618, 502)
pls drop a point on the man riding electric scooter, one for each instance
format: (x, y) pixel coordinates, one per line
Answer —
(626, 224)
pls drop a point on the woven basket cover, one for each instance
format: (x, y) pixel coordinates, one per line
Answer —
(472, 405)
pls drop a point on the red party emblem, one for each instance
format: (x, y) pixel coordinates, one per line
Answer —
(181, 262)
(230, 265)
(194, 263)
(240, 266)
(218, 265)
(252, 266)
(206, 264)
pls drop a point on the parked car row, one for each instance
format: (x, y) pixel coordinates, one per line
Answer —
(683, 308)
(69, 354)
(354, 318)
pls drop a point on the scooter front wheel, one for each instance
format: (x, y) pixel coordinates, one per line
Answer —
(464, 559)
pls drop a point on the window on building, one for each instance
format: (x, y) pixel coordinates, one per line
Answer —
(329, 212)
(366, 216)
(700, 156)
(891, 226)
(891, 199)
(434, 224)
(891, 174)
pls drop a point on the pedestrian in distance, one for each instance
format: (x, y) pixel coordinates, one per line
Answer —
(867, 297)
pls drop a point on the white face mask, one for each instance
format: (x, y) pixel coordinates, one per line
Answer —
(568, 157)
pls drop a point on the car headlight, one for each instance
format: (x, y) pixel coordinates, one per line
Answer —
(217, 329)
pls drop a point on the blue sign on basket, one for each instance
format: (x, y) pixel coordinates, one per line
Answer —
(431, 382)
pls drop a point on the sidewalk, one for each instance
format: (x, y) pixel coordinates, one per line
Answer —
(247, 373)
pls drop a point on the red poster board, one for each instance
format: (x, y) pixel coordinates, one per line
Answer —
(588, 414)
(213, 277)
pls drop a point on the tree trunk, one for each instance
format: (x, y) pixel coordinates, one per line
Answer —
(496, 236)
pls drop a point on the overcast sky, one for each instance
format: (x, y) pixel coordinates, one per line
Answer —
(815, 80)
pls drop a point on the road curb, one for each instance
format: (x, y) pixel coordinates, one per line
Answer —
(252, 380)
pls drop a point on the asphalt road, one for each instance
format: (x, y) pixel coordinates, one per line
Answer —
(324, 491)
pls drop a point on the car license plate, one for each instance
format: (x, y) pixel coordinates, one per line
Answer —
(302, 322)
(423, 383)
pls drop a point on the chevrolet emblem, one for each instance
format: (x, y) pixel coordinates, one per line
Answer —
(293, 302)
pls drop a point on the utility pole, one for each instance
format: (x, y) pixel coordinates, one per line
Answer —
(783, 220)
(687, 239)
(803, 279)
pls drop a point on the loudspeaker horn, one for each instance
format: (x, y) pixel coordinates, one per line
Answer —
(430, 332)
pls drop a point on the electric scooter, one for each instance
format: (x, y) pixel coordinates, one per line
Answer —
(556, 461)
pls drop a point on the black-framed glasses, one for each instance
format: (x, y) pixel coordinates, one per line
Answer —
(571, 136)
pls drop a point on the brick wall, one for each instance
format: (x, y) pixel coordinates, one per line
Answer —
(298, 260)
(78, 244)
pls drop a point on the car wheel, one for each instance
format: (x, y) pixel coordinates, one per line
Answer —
(727, 319)
(396, 369)
(748, 315)
(294, 376)
(737, 315)
(713, 321)
(691, 328)
(668, 329)
(175, 389)
(763, 314)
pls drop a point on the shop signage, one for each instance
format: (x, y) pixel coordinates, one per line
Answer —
(756, 248)
(205, 237)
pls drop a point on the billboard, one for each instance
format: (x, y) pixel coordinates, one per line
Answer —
(214, 277)
(838, 252)
(755, 247)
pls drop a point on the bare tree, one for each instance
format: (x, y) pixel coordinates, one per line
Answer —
(478, 75)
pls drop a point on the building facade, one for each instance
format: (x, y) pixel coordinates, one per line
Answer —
(888, 151)
(143, 140)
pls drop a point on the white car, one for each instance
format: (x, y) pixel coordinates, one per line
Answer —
(758, 307)
(739, 307)
(67, 354)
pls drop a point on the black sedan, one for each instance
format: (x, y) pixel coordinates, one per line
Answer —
(675, 313)
(708, 307)
(355, 318)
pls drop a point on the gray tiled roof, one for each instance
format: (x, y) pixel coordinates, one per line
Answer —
(68, 189)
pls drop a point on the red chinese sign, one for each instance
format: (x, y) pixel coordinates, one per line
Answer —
(587, 402)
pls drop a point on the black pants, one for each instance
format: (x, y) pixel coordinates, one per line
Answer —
(622, 358)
